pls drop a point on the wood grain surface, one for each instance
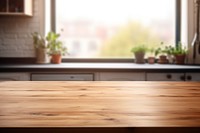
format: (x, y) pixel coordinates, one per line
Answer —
(99, 104)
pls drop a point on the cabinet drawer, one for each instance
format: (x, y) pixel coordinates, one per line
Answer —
(165, 77)
(192, 76)
(62, 77)
(122, 76)
(14, 76)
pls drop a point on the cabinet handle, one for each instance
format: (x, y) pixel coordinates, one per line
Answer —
(182, 78)
(189, 77)
(169, 76)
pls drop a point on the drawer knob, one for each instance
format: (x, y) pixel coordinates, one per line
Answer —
(189, 78)
(169, 76)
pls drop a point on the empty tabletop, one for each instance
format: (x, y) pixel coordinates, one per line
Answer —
(99, 104)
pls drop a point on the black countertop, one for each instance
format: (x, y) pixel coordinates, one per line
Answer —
(98, 67)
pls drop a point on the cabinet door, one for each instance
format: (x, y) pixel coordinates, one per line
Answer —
(14, 76)
(108, 76)
(62, 77)
(192, 76)
(165, 77)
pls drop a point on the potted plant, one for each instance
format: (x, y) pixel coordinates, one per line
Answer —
(40, 48)
(180, 53)
(151, 58)
(56, 47)
(169, 51)
(162, 54)
(139, 52)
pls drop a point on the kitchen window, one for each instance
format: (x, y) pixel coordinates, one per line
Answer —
(115, 26)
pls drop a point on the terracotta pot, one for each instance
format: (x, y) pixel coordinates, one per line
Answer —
(180, 58)
(151, 60)
(56, 58)
(139, 57)
(163, 59)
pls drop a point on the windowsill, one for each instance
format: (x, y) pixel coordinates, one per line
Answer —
(31, 60)
(98, 67)
(99, 60)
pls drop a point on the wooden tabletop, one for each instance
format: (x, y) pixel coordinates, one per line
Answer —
(99, 104)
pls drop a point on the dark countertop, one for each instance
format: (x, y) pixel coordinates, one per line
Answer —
(130, 67)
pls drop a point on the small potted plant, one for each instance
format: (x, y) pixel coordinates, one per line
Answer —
(139, 52)
(180, 53)
(169, 51)
(56, 47)
(162, 54)
(40, 48)
(151, 58)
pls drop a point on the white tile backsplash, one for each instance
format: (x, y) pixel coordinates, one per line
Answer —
(15, 33)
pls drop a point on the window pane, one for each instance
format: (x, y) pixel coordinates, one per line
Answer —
(110, 28)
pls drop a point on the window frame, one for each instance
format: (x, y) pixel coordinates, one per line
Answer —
(116, 60)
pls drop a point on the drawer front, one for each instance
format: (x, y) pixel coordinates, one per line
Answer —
(165, 77)
(122, 76)
(14, 76)
(62, 77)
(192, 76)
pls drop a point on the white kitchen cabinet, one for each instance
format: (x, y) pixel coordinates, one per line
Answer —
(121, 76)
(192, 76)
(62, 77)
(165, 76)
(14, 76)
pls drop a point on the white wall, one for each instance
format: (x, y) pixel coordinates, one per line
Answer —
(15, 38)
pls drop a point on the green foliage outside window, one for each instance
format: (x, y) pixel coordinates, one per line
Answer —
(129, 36)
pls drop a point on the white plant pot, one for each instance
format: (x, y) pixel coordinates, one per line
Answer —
(170, 59)
(42, 56)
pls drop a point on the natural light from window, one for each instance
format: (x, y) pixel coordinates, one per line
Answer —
(110, 28)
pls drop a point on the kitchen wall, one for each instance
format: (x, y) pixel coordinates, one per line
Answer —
(189, 28)
(15, 38)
